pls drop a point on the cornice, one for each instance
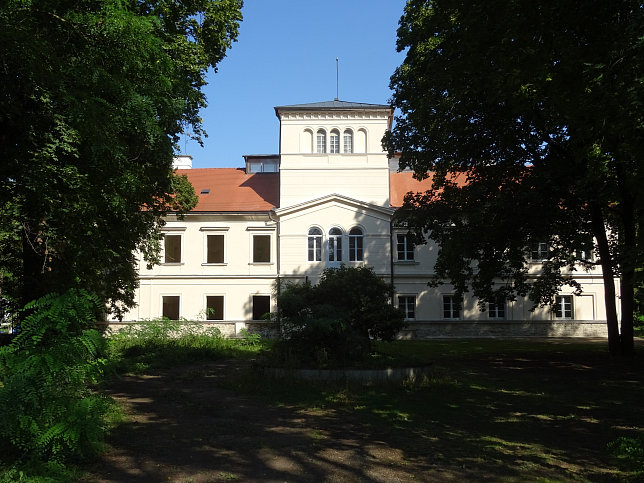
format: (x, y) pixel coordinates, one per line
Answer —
(335, 114)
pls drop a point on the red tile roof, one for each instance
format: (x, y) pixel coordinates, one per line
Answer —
(402, 183)
(232, 190)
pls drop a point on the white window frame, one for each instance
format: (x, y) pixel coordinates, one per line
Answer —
(320, 141)
(454, 314)
(334, 141)
(493, 310)
(564, 304)
(356, 240)
(214, 230)
(173, 231)
(408, 248)
(539, 252)
(334, 245)
(406, 298)
(259, 231)
(263, 166)
(347, 147)
(318, 240)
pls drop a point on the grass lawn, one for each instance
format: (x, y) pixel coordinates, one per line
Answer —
(514, 409)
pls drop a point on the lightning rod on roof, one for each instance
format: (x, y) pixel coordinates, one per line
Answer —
(337, 78)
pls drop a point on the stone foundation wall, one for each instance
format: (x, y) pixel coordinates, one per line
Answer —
(435, 329)
(504, 328)
(227, 328)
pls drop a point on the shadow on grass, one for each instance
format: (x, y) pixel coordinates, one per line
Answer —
(515, 411)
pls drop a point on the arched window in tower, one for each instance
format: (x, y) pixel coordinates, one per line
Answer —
(348, 141)
(361, 141)
(335, 245)
(306, 141)
(315, 245)
(334, 142)
(356, 252)
(321, 141)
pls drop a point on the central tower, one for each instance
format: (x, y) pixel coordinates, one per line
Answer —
(333, 147)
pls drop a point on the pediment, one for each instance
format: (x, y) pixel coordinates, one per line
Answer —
(335, 199)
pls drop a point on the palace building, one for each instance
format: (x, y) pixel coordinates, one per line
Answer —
(328, 198)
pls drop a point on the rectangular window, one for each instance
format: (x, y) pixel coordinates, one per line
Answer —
(215, 249)
(315, 248)
(405, 248)
(539, 252)
(450, 308)
(170, 308)
(563, 307)
(407, 303)
(172, 248)
(215, 307)
(496, 310)
(261, 248)
(585, 256)
(261, 306)
(355, 248)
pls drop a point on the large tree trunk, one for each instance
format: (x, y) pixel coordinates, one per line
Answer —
(599, 230)
(627, 257)
(627, 295)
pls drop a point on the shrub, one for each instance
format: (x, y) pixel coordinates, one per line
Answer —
(333, 322)
(49, 413)
(167, 343)
(629, 449)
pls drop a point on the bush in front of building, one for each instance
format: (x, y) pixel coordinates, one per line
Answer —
(333, 323)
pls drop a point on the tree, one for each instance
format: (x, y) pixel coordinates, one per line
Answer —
(529, 119)
(336, 319)
(95, 95)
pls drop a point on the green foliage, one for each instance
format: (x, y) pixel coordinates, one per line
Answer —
(529, 121)
(38, 472)
(50, 413)
(167, 343)
(630, 449)
(250, 338)
(333, 322)
(95, 96)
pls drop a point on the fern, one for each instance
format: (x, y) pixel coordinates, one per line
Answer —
(45, 375)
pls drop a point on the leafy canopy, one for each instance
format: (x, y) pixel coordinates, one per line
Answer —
(95, 95)
(528, 117)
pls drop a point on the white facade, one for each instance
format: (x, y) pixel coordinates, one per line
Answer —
(327, 198)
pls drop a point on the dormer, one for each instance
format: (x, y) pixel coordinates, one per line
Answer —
(262, 163)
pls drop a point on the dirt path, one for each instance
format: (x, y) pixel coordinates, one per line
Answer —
(522, 416)
(185, 428)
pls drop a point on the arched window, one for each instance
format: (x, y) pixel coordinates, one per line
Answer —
(306, 141)
(361, 141)
(335, 245)
(315, 245)
(321, 141)
(356, 245)
(348, 141)
(334, 142)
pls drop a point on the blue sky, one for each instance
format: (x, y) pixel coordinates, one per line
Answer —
(285, 54)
